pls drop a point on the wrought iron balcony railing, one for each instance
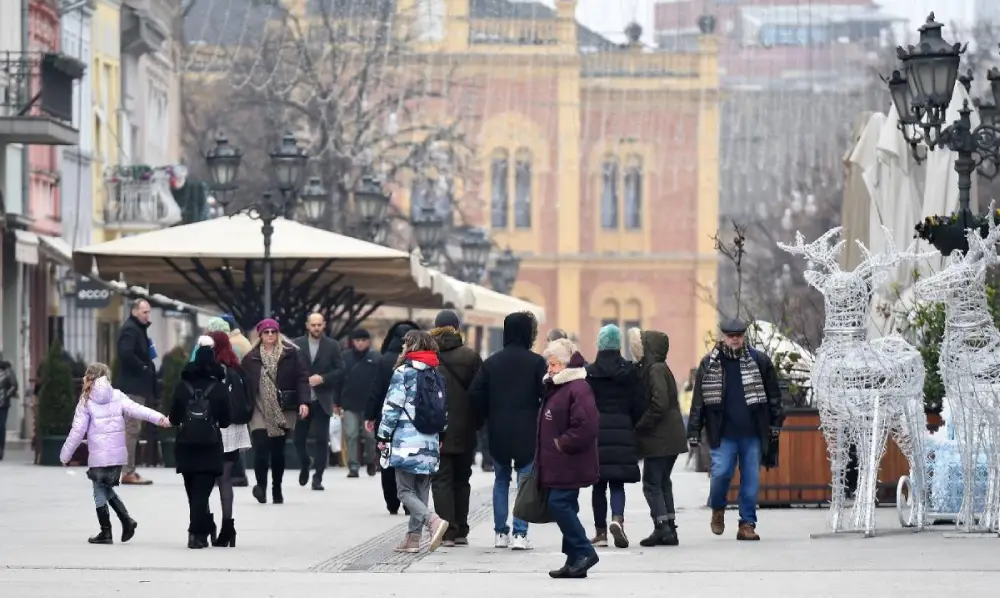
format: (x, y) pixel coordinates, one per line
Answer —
(139, 197)
(38, 84)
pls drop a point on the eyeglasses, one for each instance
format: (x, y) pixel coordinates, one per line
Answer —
(263, 332)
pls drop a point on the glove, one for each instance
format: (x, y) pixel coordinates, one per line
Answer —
(693, 442)
(775, 432)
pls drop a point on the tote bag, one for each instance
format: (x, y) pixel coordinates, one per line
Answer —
(532, 502)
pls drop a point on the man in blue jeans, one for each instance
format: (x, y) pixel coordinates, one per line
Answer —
(737, 400)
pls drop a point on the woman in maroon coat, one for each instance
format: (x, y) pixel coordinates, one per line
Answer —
(566, 458)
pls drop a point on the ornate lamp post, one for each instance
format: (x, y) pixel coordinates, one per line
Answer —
(503, 274)
(476, 247)
(371, 204)
(428, 230)
(921, 93)
(314, 199)
(288, 163)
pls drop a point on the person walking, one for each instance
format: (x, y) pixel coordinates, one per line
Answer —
(136, 378)
(199, 410)
(659, 432)
(325, 366)
(568, 426)
(737, 401)
(450, 485)
(8, 394)
(100, 417)
(360, 373)
(615, 384)
(507, 392)
(412, 452)
(241, 346)
(235, 436)
(280, 383)
(392, 347)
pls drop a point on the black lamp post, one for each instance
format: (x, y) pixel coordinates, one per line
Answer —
(503, 274)
(921, 92)
(371, 204)
(428, 230)
(288, 162)
(476, 247)
(313, 199)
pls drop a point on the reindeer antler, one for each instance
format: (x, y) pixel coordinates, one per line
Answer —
(889, 258)
(819, 251)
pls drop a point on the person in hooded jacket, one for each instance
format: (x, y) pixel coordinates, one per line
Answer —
(392, 346)
(660, 432)
(615, 382)
(508, 392)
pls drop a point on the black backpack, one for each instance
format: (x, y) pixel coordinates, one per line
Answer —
(429, 405)
(240, 401)
(199, 426)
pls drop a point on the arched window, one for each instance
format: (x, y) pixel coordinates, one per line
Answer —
(633, 192)
(610, 312)
(609, 193)
(522, 188)
(499, 189)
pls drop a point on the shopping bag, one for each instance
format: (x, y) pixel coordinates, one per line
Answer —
(335, 429)
(770, 460)
(532, 502)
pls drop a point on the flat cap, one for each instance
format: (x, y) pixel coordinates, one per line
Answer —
(733, 326)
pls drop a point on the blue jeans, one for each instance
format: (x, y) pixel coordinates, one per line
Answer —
(564, 506)
(501, 497)
(102, 494)
(747, 450)
(599, 500)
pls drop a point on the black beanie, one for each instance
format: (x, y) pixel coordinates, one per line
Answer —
(446, 318)
(359, 333)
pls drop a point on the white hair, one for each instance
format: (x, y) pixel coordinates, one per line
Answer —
(634, 336)
(561, 349)
(205, 341)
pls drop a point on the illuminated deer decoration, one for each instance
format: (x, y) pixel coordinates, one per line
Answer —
(863, 388)
(970, 369)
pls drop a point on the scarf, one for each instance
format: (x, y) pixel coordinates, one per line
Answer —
(274, 417)
(426, 357)
(712, 384)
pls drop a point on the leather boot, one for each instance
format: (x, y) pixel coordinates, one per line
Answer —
(617, 530)
(104, 536)
(668, 536)
(600, 538)
(227, 535)
(211, 528)
(128, 524)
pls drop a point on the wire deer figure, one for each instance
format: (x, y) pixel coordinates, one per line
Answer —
(864, 388)
(969, 363)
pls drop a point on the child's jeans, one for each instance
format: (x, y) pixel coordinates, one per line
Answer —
(104, 480)
(102, 494)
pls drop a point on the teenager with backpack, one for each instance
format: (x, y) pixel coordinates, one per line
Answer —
(235, 436)
(200, 409)
(413, 417)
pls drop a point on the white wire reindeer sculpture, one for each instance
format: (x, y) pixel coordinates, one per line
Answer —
(863, 388)
(970, 369)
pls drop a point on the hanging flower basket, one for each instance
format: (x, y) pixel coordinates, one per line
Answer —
(947, 233)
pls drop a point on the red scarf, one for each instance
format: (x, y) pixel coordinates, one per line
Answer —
(426, 357)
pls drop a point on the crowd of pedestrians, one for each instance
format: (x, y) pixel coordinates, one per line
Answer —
(422, 403)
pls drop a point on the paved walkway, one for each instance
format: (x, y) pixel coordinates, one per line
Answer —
(340, 541)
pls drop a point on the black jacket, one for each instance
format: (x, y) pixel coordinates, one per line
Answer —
(392, 346)
(508, 392)
(660, 430)
(8, 386)
(292, 374)
(136, 372)
(459, 366)
(360, 372)
(329, 364)
(201, 459)
(618, 395)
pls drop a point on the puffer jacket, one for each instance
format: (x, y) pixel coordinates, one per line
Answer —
(101, 419)
(412, 451)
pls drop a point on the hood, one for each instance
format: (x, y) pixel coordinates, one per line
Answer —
(520, 328)
(194, 371)
(610, 364)
(393, 341)
(655, 346)
(102, 392)
(448, 339)
(568, 375)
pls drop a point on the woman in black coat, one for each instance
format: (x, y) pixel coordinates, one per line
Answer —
(200, 407)
(615, 382)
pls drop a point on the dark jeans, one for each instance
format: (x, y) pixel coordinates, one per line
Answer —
(657, 487)
(3, 428)
(320, 422)
(747, 452)
(268, 452)
(483, 439)
(451, 489)
(389, 490)
(599, 500)
(564, 505)
(199, 488)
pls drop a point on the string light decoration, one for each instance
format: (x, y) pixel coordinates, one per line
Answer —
(865, 389)
(970, 369)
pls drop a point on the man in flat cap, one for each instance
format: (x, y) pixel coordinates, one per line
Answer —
(737, 399)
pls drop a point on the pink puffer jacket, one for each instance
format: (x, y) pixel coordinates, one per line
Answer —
(101, 419)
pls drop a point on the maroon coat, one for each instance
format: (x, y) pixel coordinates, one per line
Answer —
(568, 423)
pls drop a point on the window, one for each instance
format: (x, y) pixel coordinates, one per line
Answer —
(609, 193)
(633, 192)
(522, 189)
(499, 189)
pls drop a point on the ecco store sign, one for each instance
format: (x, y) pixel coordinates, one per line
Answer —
(92, 295)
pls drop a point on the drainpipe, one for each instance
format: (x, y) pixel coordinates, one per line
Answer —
(26, 419)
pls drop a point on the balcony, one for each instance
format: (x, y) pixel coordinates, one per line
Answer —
(36, 98)
(514, 32)
(141, 32)
(139, 198)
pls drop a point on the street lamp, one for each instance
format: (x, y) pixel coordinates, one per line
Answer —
(223, 164)
(371, 204)
(503, 274)
(476, 247)
(428, 229)
(288, 162)
(314, 199)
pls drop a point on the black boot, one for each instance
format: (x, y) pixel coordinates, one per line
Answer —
(193, 541)
(204, 530)
(276, 496)
(128, 524)
(210, 527)
(664, 534)
(104, 519)
(227, 535)
(260, 493)
(669, 537)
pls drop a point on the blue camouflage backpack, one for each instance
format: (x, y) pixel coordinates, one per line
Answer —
(429, 405)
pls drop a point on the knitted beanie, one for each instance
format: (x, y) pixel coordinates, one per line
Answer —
(609, 338)
(217, 325)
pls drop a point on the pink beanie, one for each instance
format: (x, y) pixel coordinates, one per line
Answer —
(267, 324)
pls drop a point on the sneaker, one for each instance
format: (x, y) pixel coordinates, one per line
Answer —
(617, 530)
(520, 543)
(438, 527)
(501, 541)
(600, 539)
(410, 543)
(462, 541)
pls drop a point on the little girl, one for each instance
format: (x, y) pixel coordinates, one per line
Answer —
(100, 416)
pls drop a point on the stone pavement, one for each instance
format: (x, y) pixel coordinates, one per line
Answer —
(340, 542)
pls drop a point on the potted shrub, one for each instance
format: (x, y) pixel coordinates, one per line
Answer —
(173, 364)
(947, 233)
(56, 404)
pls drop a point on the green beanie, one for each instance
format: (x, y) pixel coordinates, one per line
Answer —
(609, 338)
(217, 325)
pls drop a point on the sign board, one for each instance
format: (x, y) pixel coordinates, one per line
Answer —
(91, 295)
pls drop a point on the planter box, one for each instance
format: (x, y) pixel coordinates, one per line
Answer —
(167, 451)
(48, 451)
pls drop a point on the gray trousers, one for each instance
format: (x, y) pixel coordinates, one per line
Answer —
(353, 427)
(414, 491)
(657, 487)
(132, 429)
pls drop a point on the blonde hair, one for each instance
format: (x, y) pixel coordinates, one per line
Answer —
(95, 371)
(561, 349)
(416, 340)
(634, 336)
